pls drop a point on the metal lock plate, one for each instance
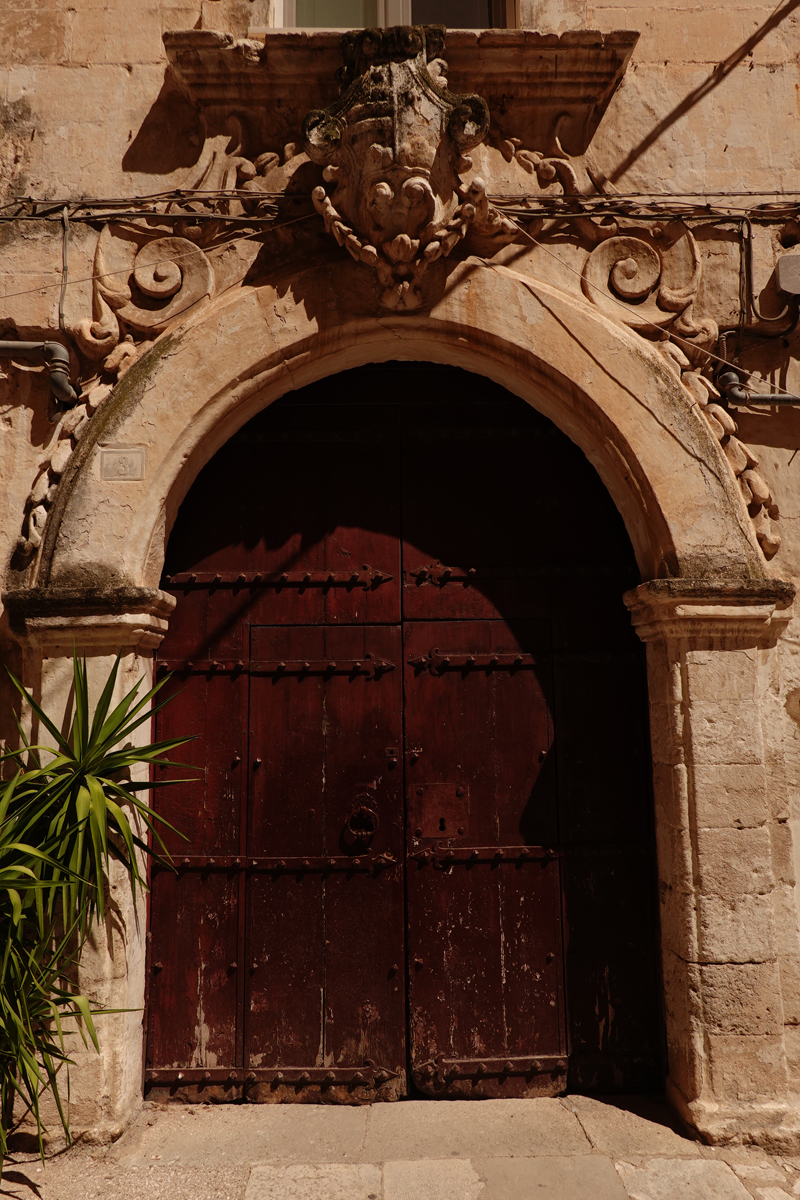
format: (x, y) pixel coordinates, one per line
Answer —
(439, 810)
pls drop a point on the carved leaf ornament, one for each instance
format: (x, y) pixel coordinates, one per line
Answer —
(655, 273)
(395, 145)
(145, 283)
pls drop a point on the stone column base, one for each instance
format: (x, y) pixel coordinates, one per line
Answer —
(773, 1124)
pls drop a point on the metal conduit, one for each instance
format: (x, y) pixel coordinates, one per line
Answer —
(731, 385)
(56, 358)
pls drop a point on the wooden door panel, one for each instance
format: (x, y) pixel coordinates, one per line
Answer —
(612, 971)
(363, 719)
(326, 804)
(205, 811)
(465, 968)
(287, 715)
(194, 970)
(485, 979)
(602, 750)
(483, 920)
(530, 906)
(285, 979)
(328, 508)
(487, 729)
(364, 974)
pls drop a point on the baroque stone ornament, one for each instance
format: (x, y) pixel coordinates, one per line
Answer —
(656, 273)
(395, 144)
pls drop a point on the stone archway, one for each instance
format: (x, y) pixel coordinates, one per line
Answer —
(707, 609)
(601, 384)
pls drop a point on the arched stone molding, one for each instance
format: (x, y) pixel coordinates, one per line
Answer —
(600, 383)
(709, 614)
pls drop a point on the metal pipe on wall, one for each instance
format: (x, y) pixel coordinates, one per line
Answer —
(56, 358)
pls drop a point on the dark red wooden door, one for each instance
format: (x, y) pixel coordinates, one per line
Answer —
(484, 906)
(400, 641)
(325, 702)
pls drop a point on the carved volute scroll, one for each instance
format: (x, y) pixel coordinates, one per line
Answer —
(395, 144)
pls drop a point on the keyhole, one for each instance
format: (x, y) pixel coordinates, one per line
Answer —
(441, 825)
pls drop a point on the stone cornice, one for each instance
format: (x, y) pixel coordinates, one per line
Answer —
(53, 620)
(537, 85)
(738, 613)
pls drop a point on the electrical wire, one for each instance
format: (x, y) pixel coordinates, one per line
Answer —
(280, 225)
(64, 269)
(643, 320)
(159, 262)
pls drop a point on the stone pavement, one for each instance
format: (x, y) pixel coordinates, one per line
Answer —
(575, 1148)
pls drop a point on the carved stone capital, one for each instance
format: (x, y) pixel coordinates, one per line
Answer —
(750, 614)
(51, 621)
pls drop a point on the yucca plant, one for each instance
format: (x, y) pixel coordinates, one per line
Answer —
(66, 812)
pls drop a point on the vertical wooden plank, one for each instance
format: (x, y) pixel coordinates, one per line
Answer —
(287, 723)
(193, 1010)
(491, 940)
(285, 921)
(364, 970)
(522, 734)
(530, 929)
(611, 969)
(205, 811)
(364, 997)
(453, 937)
(285, 962)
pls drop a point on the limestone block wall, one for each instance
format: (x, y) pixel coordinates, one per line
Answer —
(709, 103)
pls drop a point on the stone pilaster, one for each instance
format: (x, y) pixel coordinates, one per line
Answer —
(718, 884)
(105, 1088)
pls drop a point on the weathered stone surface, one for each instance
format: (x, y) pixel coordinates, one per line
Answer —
(320, 1181)
(728, 796)
(736, 929)
(548, 1178)
(742, 998)
(666, 1179)
(493, 1128)
(643, 1128)
(735, 862)
(748, 1068)
(440, 1179)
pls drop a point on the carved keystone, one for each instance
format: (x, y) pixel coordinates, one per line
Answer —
(395, 145)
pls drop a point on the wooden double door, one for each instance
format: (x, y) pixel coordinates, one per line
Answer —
(418, 856)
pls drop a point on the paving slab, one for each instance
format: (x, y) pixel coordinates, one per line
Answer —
(761, 1175)
(199, 1134)
(314, 1181)
(572, 1177)
(80, 1176)
(451, 1150)
(435, 1179)
(681, 1179)
(472, 1129)
(631, 1129)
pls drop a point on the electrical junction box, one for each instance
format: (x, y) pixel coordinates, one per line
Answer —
(787, 274)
